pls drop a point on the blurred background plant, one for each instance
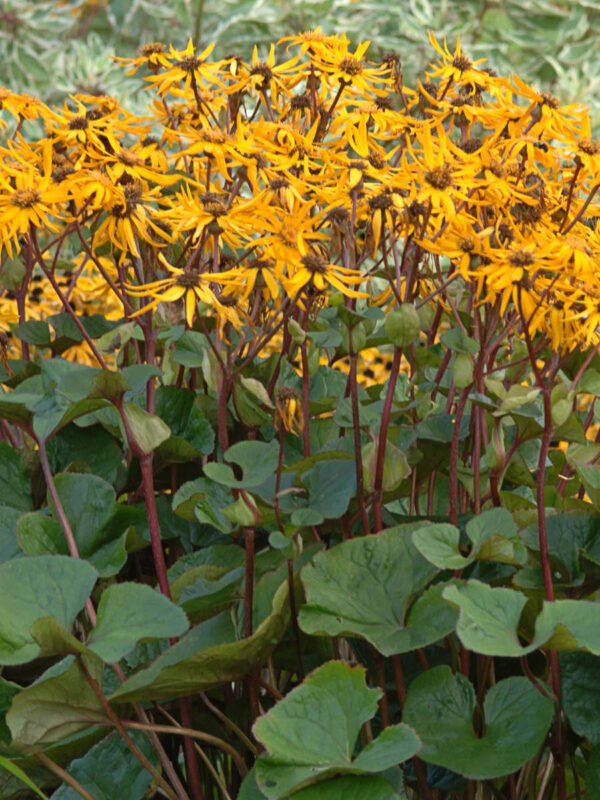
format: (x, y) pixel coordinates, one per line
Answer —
(51, 48)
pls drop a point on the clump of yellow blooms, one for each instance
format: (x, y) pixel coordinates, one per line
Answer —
(252, 193)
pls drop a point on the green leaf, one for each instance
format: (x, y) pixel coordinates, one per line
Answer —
(147, 430)
(302, 517)
(15, 486)
(569, 625)
(311, 734)
(9, 544)
(489, 618)
(439, 544)
(580, 692)
(331, 485)
(97, 522)
(457, 341)
(568, 535)
(350, 787)
(40, 535)
(15, 407)
(207, 656)
(58, 705)
(92, 445)
(592, 774)
(516, 397)
(36, 587)
(493, 536)
(7, 692)
(177, 408)
(365, 587)
(109, 769)
(108, 385)
(8, 765)
(395, 466)
(137, 377)
(190, 349)
(440, 708)
(208, 589)
(133, 612)
(13, 272)
(440, 428)
(257, 460)
(34, 332)
(203, 500)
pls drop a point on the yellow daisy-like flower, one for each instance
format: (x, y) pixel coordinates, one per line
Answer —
(457, 67)
(315, 271)
(29, 199)
(191, 285)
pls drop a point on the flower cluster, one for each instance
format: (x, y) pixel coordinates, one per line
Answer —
(253, 193)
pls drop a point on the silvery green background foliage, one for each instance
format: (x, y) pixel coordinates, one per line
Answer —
(51, 48)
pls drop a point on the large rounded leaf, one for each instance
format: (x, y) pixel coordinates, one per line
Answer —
(311, 734)
(365, 587)
(36, 587)
(440, 707)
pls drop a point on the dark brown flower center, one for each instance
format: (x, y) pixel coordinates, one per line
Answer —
(439, 177)
(79, 123)
(151, 48)
(462, 62)
(189, 63)
(380, 202)
(521, 258)
(351, 66)
(189, 278)
(25, 198)
(589, 146)
(314, 263)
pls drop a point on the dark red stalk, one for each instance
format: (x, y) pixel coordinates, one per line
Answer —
(382, 441)
(360, 487)
(453, 470)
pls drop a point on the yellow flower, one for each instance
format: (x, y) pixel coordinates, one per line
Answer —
(288, 409)
(188, 68)
(29, 198)
(315, 271)
(130, 216)
(457, 67)
(190, 284)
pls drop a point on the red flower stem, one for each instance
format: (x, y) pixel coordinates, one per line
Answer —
(191, 757)
(114, 720)
(157, 550)
(62, 518)
(453, 470)
(305, 394)
(160, 566)
(293, 609)
(382, 441)
(252, 680)
(360, 486)
(65, 303)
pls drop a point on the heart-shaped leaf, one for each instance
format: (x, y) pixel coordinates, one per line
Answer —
(364, 587)
(311, 734)
(440, 708)
(36, 587)
(133, 612)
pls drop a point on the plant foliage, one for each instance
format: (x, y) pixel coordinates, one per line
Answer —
(299, 433)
